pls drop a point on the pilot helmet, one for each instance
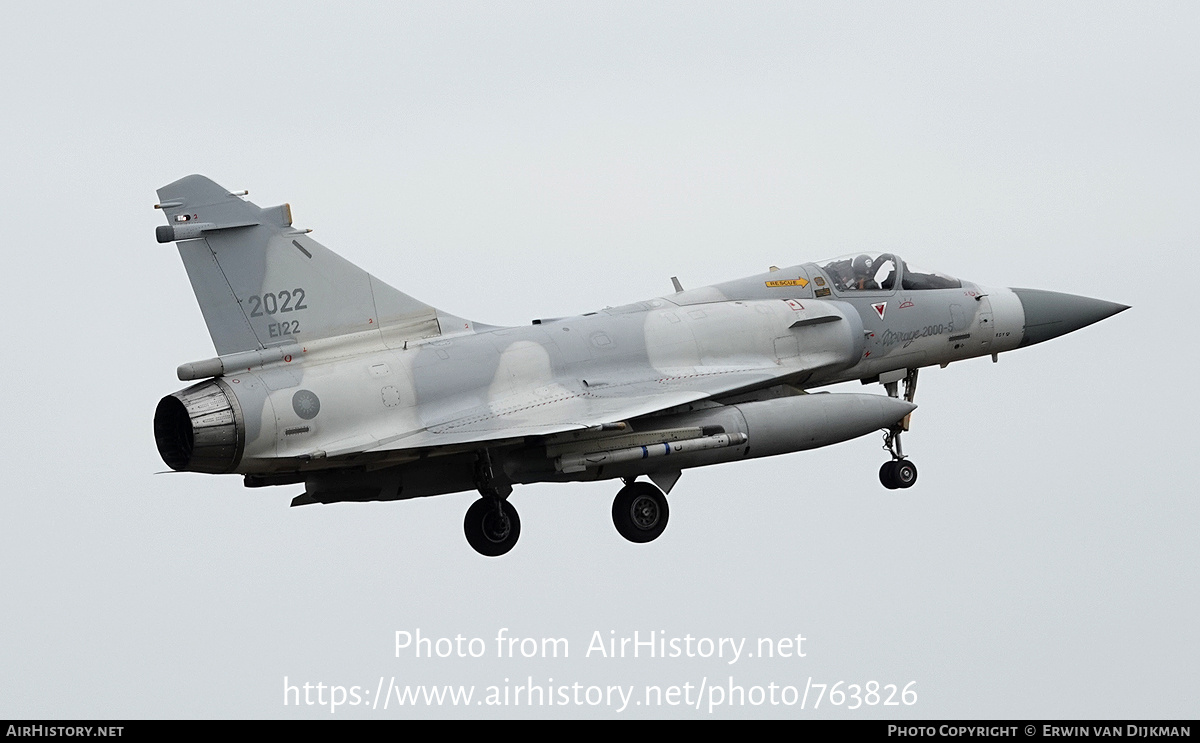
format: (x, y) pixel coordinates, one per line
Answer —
(862, 265)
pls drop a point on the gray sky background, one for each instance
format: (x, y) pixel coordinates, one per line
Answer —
(511, 161)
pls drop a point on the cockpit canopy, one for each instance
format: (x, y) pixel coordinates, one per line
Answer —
(877, 272)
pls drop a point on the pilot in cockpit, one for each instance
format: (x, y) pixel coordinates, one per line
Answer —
(864, 273)
(867, 272)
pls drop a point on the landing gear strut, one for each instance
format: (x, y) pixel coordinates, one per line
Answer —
(899, 472)
(640, 512)
(491, 524)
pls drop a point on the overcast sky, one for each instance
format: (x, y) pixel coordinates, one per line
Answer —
(506, 161)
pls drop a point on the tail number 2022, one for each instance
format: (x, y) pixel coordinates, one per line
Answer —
(277, 302)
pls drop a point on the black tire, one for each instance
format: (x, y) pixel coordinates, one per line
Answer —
(489, 532)
(640, 512)
(905, 473)
(887, 475)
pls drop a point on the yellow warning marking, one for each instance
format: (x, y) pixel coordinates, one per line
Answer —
(789, 282)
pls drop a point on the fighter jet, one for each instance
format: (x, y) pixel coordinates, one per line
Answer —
(328, 377)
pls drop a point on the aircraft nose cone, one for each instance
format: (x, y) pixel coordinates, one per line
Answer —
(1051, 314)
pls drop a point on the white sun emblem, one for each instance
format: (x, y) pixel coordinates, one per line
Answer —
(306, 404)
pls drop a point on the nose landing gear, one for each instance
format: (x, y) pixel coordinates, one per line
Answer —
(900, 472)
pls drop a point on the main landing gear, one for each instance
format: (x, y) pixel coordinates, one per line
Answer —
(900, 472)
(640, 511)
(491, 524)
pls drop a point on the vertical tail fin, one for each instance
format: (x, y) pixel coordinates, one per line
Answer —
(261, 283)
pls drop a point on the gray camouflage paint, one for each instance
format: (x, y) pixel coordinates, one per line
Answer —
(363, 392)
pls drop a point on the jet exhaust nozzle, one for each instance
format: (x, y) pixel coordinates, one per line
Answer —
(200, 429)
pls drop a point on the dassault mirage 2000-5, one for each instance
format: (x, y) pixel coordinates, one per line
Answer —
(329, 377)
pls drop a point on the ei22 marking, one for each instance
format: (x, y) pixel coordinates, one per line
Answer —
(285, 328)
(272, 302)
